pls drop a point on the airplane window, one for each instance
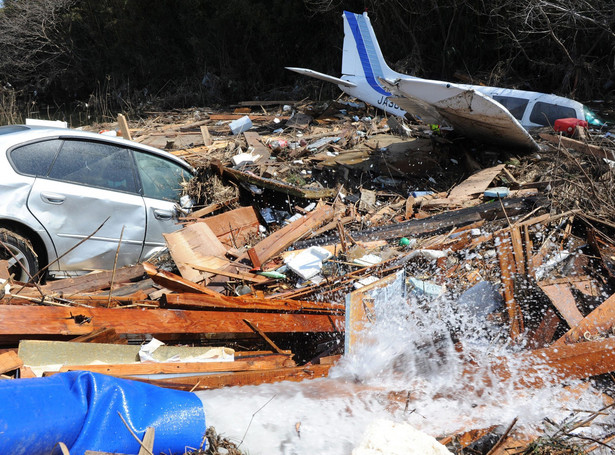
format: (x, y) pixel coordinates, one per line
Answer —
(546, 114)
(516, 106)
(591, 118)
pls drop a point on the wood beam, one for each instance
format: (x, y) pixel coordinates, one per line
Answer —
(22, 321)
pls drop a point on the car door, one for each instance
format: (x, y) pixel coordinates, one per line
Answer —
(91, 195)
(161, 182)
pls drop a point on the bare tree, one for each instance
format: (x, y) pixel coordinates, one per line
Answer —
(35, 47)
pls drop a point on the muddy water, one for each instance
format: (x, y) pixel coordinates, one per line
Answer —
(412, 350)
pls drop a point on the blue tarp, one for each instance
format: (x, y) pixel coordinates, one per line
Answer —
(81, 409)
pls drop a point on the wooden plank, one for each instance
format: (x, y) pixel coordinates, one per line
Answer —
(545, 331)
(200, 301)
(254, 140)
(103, 335)
(147, 445)
(254, 259)
(252, 278)
(436, 223)
(219, 380)
(235, 227)
(588, 149)
(360, 311)
(562, 362)
(10, 361)
(259, 363)
(123, 124)
(507, 270)
(275, 185)
(518, 249)
(477, 183)
(174, 282)
(191, 245)
(17, 321)
(599, 321)
(289, 234)
(206, 136)
(561, 297)
(94, 281)
(264, 336)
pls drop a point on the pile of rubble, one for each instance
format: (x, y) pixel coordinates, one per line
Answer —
(302, 210)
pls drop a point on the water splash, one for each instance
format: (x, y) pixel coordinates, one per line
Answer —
(408, 368)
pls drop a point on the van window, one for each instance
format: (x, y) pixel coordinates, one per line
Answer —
(516, 106)
(546, 113)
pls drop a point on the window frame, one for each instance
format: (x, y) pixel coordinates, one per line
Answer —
(531, 117)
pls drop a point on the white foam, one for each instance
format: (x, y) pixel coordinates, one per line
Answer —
(411, 351)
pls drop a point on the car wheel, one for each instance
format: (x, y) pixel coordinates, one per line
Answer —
(23, 262)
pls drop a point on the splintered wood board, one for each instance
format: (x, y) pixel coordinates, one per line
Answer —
(599, 321)
(233, 228)
(562, 299)
(475, 184)
(9, 361)
(194, 244)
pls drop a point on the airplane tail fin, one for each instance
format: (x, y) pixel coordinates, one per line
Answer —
(362, 57)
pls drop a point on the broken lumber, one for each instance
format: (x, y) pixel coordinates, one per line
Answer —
(269, 362)
(174, 282)
(93, 281)
(281, 239)
(564, 362)
(17, 321)
(194, 244)
(253, 140)
(587, 149)
(10, 361)
(469, 189)
(239, 378)
(205, 302)
(507, 273)
(562, 299)
(438, 223)
(276, 185)
(235, 227)
(599, 321)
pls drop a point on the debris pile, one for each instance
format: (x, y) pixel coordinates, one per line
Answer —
(301, 211)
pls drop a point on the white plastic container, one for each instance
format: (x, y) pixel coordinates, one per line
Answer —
(240, 125)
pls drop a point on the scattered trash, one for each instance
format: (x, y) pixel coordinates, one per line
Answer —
(296, 237)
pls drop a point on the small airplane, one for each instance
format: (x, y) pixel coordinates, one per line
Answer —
(492, 114)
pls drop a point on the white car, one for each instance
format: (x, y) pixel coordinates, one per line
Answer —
(68, 198)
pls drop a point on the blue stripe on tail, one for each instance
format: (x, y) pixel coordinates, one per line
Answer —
(367, 51)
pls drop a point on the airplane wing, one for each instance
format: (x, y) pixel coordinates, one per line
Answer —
(321, 76)
(469, 112)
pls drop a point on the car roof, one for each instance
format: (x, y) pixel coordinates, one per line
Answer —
(11, 135)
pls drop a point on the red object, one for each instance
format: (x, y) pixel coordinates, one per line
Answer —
(567, 125)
